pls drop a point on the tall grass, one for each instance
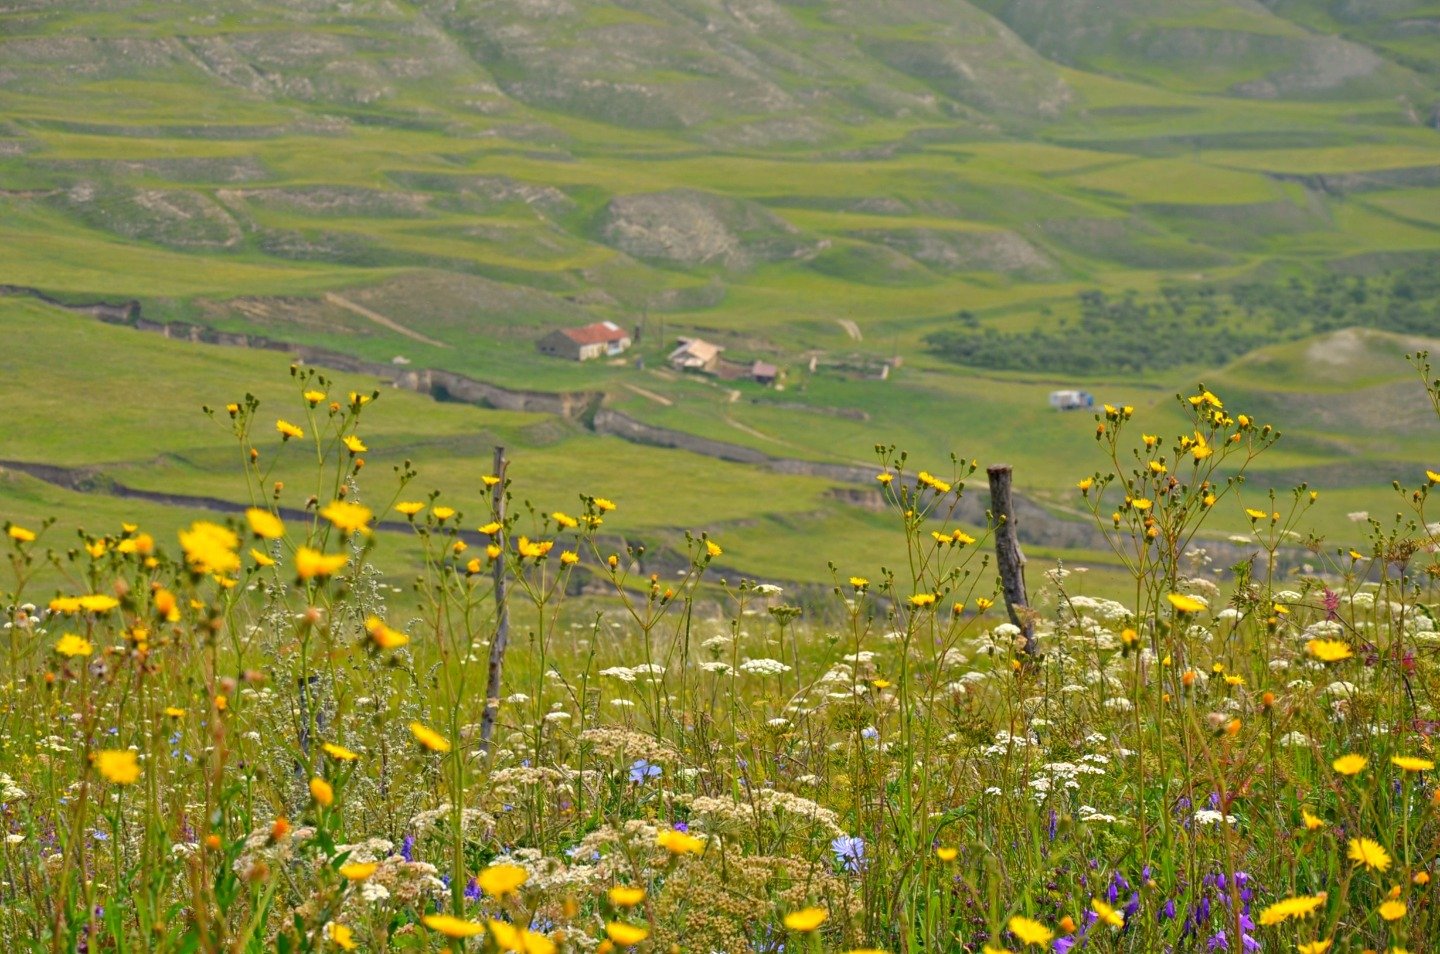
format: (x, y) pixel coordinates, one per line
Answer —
(240, 740)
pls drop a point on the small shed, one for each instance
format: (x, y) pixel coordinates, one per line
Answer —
(602, 339)
(764, 373)
(694, 354)
(1071, 400)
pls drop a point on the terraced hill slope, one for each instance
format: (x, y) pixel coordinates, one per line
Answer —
(436, 184)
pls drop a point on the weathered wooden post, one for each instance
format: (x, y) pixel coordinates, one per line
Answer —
(502, 611)
(1009, 559)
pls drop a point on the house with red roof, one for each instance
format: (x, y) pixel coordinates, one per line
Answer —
(600, 340)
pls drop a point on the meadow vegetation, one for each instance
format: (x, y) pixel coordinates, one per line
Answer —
(237, 738)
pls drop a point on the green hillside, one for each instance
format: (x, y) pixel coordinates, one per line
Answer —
(439, 184)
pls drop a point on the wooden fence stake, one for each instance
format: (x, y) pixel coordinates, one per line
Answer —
(502, 610)
(1009, 559)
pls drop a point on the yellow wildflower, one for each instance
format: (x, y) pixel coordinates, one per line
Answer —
(1030, 931)
(383, 636)
(1185, 604)
(409, 507)
(806, 919)
(358, 870)
(451, 926)
(1352, 764)
(347, 515)
(1391, 910)
(1300, 906)
(1107, 914)
(1328, 650)
(339, 752)
(679, 842)
(354, 444)
(118, 765)
(1314, 947)
(626, 935)
(442, 513)
(1368, 853)
(322, 792)
(342, 936)
(922, 599)
(501, 880)
(311, 563)
(1310, 821)
(713, 548)
(264, 524)
(947, 854)
(429, 738)
(288, 430)
(210, 548)
(626, 896)
(19, 534)
(71, 645)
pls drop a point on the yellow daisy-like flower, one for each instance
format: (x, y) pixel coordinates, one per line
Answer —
(339, 752)
(625, 935)
(354, 444)
(313, 397)
(1186, 604)
(922, 599)
(71, 646)
(1432, 476)
(534, 549)
(288, 430)
(1086, 484)
(1352, 764)
(210, 548)
(264, 524)
(1107, 914)
(383, 636)
(884, 478)
(491, 528)
(1392, 910)
(429, 738)
(347, 515)
(712, 548)
(409, 507)
(519, 940)
(442, 513)
(1030, 931)
(1314, 947)
(859, 582)
(451, 926)
(118, 765)
(501, 880)
(626, 896)
(358, 870)
(261, 559)
(1411, 763)
(322, 791)
(1311, 821)
(311, 564)
(1254, 514)
(19, 534)
(679, 842)
(341, 936)
(1369, 853)
(98, 603)
(806, 919)
(946, 853)
(175, 712)
(1300, 906)
(1328, 650)
(569, 558)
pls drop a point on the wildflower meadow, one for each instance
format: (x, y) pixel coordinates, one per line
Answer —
(239, 739)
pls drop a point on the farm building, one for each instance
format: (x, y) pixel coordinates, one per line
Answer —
(694, 354)
(1071, 400)
(602, 339)
(764, 372)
